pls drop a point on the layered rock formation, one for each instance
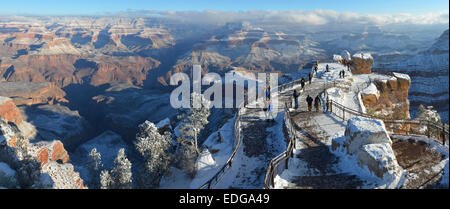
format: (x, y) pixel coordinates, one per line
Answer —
(122, 107)
(30, 93)
(11, 114)
(250, 48)
(387, 96)
(427, 68)
(55, 171)
(76, 51)
(57, 122)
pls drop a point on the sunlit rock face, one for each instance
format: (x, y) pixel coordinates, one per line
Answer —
(387, 96)
(31, 93)
(361, 63)
(56, 171)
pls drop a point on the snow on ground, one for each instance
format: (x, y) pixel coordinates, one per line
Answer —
(209, 164)
(249, 172)
(176, 179)
(346, 92)
(213, 156)
(362, 55)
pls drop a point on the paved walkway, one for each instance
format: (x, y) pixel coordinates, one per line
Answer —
(314, 166)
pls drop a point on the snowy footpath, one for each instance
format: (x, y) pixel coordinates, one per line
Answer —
(315, 166)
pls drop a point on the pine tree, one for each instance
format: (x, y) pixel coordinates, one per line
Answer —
(106, 180)
(94, 167)
(154, 147)
(195, 118)
(29, 171)
(193, 121)
(120, 176)
(121, 173)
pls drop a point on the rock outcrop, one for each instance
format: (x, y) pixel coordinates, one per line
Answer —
(57, 122)
(55, 170)
(31, 93)
(361, 63)
(8, 178)
(368, 141)
(122, 108)
(387, 96)
(10, 113)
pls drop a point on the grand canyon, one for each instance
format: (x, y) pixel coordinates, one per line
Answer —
(73, 83)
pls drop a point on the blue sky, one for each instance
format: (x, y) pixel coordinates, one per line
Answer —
(99, 7)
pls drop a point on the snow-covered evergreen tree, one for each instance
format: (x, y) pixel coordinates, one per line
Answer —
(120, 177)
(121, 173)
(186, 156)
(154, 147)
(94, 166)
(106, 180)
(193, 121)
(29, 171)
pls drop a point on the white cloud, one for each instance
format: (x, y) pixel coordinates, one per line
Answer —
(313, 17)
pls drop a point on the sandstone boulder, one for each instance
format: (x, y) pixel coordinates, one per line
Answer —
(368, 141)
(392, 99)
(56, 171)
(9, 111)
(370, 94)
(50, 151)
(361, 131)
(361, 63)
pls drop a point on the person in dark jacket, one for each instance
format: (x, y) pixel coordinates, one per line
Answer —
(302, 83)
(296, 95)
(310, 78)
(315, 69)
(327, 68)
(268, 93)
(309, 100)
(317, 103)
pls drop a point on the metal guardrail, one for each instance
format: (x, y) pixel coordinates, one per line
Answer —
(237, 138)
(434, 130)
(281, 162)
(237, 142)
(278, 164)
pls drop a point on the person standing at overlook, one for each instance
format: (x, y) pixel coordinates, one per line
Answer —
(309, 100)
(310, 78)
(296, 95)
(317, 103)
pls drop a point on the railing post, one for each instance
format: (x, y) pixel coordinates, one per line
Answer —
(287, 162)
(271, 174)
(331, 106)
(343, 113)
